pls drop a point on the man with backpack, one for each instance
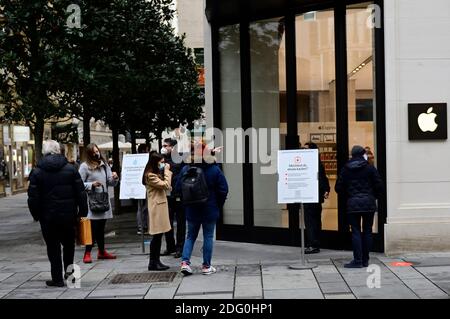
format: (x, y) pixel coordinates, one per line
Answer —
(204, 189)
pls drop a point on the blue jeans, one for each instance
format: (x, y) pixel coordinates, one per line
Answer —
(208, 236)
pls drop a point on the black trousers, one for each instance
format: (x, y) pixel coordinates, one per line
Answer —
(57, 233)
(361, 240)
(98, 234)
(176, 212)
(155, 248)
(313, 224)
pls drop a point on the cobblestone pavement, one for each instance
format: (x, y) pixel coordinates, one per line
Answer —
(245, 271)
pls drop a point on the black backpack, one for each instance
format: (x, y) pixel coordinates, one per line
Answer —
(194, 189)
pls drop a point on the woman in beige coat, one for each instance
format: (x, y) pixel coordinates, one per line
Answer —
(157, 179)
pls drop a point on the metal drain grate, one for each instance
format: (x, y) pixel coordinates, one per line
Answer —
(143, 278)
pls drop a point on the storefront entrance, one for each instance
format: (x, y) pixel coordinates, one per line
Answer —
(315, 72)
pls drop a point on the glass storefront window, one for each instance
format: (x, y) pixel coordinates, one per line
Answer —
(268, 87)
(361, 79)
(316, 97)
(230, 91)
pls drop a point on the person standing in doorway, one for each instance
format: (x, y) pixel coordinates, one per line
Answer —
(142, 211)
(56, 198)
(97, 176)
(361, 185)
(176, 211)
(313, 212)
(157, 178)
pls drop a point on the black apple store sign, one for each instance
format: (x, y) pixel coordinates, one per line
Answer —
(427, 121)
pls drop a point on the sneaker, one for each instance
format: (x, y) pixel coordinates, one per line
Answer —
(139, 232)
(186, 269)
(105, 255)
(208, 270)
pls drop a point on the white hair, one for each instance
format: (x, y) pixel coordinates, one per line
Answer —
(51, 147)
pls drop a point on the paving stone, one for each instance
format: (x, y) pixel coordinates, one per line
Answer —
(16, 280)
(333, 288)
(325, 269)
(248, 280)
(288, 282)
(75, 293)
(438, 273)
(328, 277)
(246, 270)
(118, 292)
(161, 292)
(431, 294)
(205, 296)
(220, 282)
(293, 294)
(244, 291)
(340, 296)
(419, 284)
(42, 293)
(385, 292)
(5, 275)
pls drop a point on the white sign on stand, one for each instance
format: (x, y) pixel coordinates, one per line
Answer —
(131, 180)
(298, 176)
(298, 183)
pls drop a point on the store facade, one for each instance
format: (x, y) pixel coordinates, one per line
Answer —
(329, 72)
(16, 159)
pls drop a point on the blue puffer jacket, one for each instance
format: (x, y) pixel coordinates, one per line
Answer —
(218, 191)
(361, 185)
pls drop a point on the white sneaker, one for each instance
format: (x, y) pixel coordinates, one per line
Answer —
(208, 271)
(186, 269)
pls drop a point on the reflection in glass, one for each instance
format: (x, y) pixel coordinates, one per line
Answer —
(316, 97)
(268, 78)
(361, 76)
(230, 89)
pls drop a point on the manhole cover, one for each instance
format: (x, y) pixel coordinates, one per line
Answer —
(143, 278)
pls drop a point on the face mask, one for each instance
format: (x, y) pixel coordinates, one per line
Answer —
(164, 151)
(97, 156)
(161, 166)
(366, 157)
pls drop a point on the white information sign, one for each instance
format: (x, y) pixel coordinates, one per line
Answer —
(21, 134)
(298, 172)
(133, 166)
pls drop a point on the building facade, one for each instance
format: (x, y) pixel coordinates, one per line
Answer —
(338, 73)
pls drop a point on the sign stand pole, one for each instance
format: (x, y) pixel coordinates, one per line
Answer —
(304, 264)
(142, 229)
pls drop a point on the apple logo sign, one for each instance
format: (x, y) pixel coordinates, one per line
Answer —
(427, 121)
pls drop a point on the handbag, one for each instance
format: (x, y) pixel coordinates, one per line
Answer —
(84, 233)
(98, 201)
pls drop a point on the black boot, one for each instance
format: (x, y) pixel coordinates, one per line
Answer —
(157, 266)
(51, 283)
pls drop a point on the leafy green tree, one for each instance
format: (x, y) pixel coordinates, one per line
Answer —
(29, 65)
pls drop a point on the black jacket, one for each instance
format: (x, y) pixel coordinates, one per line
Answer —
(175, 168)
(361, 185)
(324, 184)
(56, 190)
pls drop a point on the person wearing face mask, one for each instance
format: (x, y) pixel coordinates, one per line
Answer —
(176, 211)
(97, 176)
(361, 185)
(157, 179)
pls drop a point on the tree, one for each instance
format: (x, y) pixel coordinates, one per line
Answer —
(30, 66)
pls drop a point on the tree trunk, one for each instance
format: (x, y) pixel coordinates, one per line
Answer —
(38, 138)
(86, 128)
(133, 142)
(116, 167)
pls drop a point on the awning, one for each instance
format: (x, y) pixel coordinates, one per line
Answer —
(109, 146)
(233, 11)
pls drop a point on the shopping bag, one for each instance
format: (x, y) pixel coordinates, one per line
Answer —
(84, 237)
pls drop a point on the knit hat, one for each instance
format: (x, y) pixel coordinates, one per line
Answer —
(358, 151)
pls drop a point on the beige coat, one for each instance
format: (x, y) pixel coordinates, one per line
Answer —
(158, 209)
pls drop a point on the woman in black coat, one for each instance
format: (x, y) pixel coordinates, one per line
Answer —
(361, 185)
